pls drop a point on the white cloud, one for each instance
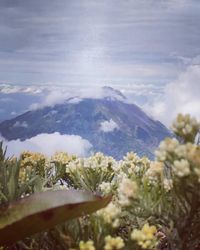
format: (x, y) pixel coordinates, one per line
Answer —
(48, 144)
(75, 100)
(20, 124)
(58, 95)
(108, 126)
(11, 89)
(181, 95)
(13, 113)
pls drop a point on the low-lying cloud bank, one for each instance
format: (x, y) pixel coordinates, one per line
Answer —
(48, 144)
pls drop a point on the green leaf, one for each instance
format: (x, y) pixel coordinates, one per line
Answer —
(42, 211)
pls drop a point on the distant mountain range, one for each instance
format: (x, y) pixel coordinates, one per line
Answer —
(109, 123)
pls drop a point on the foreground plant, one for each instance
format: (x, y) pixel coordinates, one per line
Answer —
(23, 216)
(155, 204)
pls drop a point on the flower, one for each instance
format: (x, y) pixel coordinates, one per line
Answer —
(194, 155)
(113, 243)
(183, 150)
(167, 184)
(166, 147)
(186, 127)
(127, 189)
(106, 187)
(110, 214)
(131, 156)
(88, 245)
(155, 171)
(61, 157)
(145, 237)
(31, 163)
(181, 167)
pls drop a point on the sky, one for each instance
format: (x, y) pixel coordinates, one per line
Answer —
(148, 49)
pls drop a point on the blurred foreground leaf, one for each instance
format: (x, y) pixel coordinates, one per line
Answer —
(44, 210)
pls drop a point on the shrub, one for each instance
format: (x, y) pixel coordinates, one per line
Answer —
(155, 204)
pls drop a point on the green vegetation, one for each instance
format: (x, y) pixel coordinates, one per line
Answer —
(155, 204)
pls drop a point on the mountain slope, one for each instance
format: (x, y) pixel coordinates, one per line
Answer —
(109, 124)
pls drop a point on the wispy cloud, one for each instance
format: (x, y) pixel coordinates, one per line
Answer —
(95, 42)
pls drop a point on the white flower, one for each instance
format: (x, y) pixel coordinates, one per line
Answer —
(168, 184)
(155, 172)
(185, 125)
(128, 188)
(105, 187)
(166, 147)
(181, 167)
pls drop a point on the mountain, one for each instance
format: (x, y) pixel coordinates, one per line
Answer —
(109, 123)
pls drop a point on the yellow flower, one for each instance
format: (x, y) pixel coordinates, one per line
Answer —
(33, 161)
(113, 243)
(145, 237)
(88, 245)
(149, 231)
(61, 157)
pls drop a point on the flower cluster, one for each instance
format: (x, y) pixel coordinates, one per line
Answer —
(62, 158)
(31, 163)
(166, 149)
(133, 164)
(106, 187)
(96, 161)
(146, 237)
(184, 158)
(95, 170)
(181, 167)
(154, 173)
(110, 215)
(128, 190)
(113, 243)
(186, 127)
(88, 245)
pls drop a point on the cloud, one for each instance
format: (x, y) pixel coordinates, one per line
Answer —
(11, 89)
(108, 126)
(181, 95)
(53, 97)
(92, 42)
(20, 124)
(58, 95)
(48, 144)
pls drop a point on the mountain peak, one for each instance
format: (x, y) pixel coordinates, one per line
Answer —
(111, 92)
(112, 127)
(105, 92)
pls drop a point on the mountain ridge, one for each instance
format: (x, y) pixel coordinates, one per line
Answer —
(111, 125)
